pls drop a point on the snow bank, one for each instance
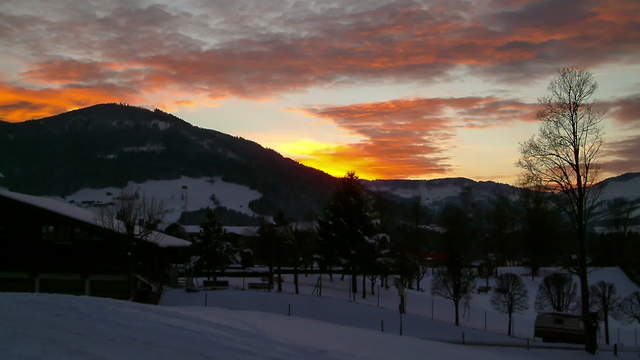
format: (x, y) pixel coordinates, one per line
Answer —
(37, 326)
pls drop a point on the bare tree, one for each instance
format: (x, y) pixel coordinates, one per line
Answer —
(629, 308)
(136, 216)
(619, 215)
(563, 157)
(604, 301)
(133, 214)
(510, 296)
(454, 283)
(557, 292)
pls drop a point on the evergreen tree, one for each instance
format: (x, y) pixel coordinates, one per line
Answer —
(268, 235)
(214, 247)
(346, 225)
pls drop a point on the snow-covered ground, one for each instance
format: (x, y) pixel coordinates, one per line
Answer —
(177, 195)
(40, 326)
(421, 307)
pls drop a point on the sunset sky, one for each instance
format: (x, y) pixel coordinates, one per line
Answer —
(390, 89)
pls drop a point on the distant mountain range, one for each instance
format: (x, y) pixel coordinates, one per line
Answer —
(84, 156)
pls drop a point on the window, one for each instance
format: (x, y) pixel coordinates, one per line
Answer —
(48, 233)
(59, 235)
(80, 234)
(64, 236)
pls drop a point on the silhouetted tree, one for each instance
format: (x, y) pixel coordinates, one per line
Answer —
(214, 247)
(346, 224)
(619, 214)
(563, 156)
(453, 282)
(541, 226)
(297, 243)
(557, 292)
(282, 243)
(510, 296)
(629, 308)
(133, 214)
(604, 301)
(501, 224)
(136, 216)
(268, 238)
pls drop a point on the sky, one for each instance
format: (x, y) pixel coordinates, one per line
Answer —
(389, 89)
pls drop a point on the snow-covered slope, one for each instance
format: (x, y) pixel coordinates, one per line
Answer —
(178, 195)
(625, 186)
(437, 192)
(38, 326)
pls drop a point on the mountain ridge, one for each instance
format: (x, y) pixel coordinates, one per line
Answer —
(112, 145)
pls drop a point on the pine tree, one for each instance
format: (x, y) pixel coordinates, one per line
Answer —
(345, 226)
(214, 247)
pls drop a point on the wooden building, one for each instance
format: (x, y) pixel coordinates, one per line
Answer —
(50, 246)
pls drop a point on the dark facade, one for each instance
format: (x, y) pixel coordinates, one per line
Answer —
(44, 250)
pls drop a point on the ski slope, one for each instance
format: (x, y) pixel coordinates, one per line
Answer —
(177, 195)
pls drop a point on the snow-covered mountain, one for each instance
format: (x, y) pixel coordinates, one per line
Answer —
(625, 186)
(435, 193)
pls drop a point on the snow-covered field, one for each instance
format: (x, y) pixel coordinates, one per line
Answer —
(177, 195)
(482, 323)
(40, 326)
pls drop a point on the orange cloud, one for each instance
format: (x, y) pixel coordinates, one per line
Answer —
(158, 47)
(20, 104)
(407, 137)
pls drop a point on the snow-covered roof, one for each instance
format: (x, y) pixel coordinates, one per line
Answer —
(242, 230)
(84, 215)
(191, 229)
(239, 230)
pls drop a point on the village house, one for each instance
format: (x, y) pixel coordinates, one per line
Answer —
(50, 246)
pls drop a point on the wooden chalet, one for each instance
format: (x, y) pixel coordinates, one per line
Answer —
(50, 246)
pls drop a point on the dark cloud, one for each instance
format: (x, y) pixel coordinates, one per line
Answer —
(625, 110)
(622, 156)
(256, 49)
